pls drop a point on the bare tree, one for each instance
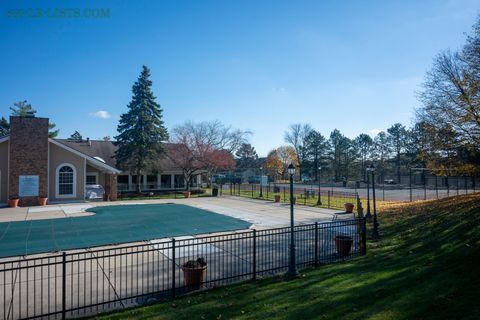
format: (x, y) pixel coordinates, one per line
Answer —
(297, 137)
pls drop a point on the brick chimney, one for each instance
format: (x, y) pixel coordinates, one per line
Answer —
(28, 178)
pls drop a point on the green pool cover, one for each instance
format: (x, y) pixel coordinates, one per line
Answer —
(111, 225)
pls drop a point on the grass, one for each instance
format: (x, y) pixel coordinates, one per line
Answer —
(426, 266)
(335, 202)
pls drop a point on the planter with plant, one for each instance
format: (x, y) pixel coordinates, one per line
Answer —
(13, 202)
(42, 201)
(194, 273)
(277, 198)
(187, 194)
(349, 207)
(343, 243)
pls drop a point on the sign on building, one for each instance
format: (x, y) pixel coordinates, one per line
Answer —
(28, 186)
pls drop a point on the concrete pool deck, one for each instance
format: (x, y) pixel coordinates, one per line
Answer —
(261, 214)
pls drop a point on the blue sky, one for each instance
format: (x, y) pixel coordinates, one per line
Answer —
(257, 65)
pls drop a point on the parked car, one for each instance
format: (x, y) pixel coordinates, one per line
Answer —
(389, 181)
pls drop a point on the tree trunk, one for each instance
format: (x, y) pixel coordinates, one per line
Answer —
(398, 168)
(137, 185)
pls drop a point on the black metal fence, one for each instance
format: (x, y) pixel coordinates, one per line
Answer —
(95, 280)
(304, 194)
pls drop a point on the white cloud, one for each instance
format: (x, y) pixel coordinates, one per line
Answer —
(101, 114)
(374, 132)
(279, 90)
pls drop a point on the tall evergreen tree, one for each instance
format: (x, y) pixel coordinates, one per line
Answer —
(141, 130)
(316, 147)
(246, 156)
(363, 143)
(397, 139)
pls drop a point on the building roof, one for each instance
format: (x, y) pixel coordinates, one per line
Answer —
(93, 148)
(105, 150)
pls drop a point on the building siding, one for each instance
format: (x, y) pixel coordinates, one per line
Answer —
(4, 171)
(58, 156)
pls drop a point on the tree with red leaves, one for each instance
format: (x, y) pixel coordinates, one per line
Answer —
(204, 148)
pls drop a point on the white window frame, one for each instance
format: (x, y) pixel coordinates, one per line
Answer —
(57, 187)
(91, 174)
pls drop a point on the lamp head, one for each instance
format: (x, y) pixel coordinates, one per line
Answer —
(291, 169)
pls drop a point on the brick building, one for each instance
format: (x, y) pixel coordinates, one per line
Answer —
(32, 165)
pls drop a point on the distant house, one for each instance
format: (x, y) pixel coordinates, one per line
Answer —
(33, 165)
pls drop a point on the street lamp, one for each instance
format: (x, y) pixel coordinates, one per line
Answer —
(261, 180)
(375, 234)
(292, 267)
(319, 201)
(368, 215)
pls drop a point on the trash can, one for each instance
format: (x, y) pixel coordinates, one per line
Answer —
(215, 192)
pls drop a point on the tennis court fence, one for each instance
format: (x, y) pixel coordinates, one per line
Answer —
(304, 195)
(90, 281)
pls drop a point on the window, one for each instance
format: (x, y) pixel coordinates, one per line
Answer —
(91, 178)
(166, 181)
(122, 179)
(66, 181)
(179, 181)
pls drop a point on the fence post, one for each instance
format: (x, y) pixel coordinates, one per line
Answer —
(173, 268)
(436, 185)
(328, 194)
(252, 190)
(410, 183)
(316, 243)
(458, 186)
(305, 196)
(64, 285)
(363, 243)
(254, 254)
(424, 185)
(448, 185)
(283, 194)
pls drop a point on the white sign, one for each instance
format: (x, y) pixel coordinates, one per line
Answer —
(28, 186)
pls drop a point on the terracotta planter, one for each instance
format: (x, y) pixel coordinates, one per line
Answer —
(13, 203)
(42, 201)
(194, 277)
(187, 194)
(277, 198)
(106, 197)
(343, 244)
(349, 207)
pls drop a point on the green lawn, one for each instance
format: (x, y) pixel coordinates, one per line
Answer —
(334, 202)
(426, 266)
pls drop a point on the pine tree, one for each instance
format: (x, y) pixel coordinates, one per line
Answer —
(246, 156)
(4, 127)
(76, 136)
(23, 109)
(141, 130)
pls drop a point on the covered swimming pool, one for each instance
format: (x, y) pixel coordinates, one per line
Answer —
(111, 225)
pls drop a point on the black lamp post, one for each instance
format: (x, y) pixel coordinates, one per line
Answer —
(375, 234)
(261, 181)
(292, 266)
(319, 201)
(369, 214)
